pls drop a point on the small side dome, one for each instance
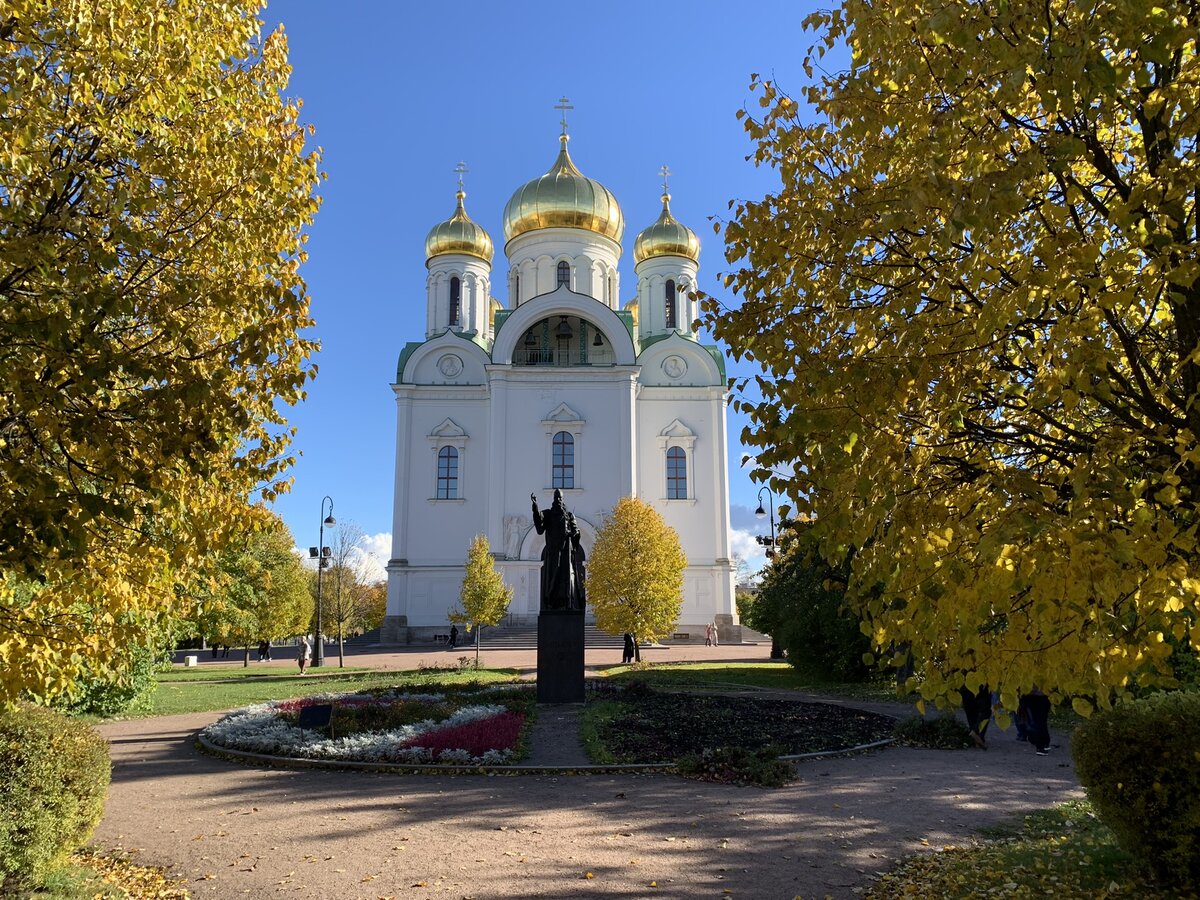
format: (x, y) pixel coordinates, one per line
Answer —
(459, 234)
(563, 198)
(666, 237)
(633, 307)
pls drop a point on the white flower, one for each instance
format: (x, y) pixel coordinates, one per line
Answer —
(258, 729)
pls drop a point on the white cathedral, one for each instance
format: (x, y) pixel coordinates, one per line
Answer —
(564, 387)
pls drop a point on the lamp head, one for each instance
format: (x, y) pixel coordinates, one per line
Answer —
(760, 512)
(330, 520)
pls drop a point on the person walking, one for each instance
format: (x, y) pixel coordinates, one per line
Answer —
(978, 709)
(630, 650)
(708, 635)
(716, 640)
(1038, 706)
(453, 636)
(305, 653)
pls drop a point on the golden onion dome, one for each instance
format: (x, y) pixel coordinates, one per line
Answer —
(666, 237)
(459, 234)
(563, 198)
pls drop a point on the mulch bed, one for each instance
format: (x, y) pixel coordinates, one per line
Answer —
(654, 726)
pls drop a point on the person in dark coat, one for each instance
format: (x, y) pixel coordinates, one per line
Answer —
(453, 635)
(1038, 706)
(978, 708)
(630, 648)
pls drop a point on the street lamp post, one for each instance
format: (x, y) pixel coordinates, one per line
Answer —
(776, 650)
(321, 553)
(760, 512)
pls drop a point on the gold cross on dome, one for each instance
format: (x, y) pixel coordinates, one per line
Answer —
(564, 104)
(461, 169)
(665, 172)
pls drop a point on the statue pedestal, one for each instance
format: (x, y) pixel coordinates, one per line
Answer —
(560, 656)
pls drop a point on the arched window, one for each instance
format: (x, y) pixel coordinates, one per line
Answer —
(677, 474)
(671, 304)
(564, 275)
(447, 479)
(516, 289)
(563, 463)
(455, 299)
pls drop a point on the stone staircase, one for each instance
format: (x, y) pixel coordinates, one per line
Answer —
(524, 637)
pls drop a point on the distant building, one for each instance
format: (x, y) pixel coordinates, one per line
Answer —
(563, 387)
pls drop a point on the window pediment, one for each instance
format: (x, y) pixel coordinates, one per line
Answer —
(562, 415)
(677, 435)
(448, 431)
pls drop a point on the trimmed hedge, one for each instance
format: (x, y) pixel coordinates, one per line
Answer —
(1140, 764)
(54, 773)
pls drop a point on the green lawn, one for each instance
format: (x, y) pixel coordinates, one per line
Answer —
(779, 675)
(1059, 852)
(175, 696)
(223, 672)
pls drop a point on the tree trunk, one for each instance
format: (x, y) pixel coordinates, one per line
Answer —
(246, 658)
(637, 649)
(477, 627)
(341, 647)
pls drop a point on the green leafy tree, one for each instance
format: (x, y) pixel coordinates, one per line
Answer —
(154, 190)
(635, 576)
(259, 590)
(801, 603)
(975, 299)
(484, 595)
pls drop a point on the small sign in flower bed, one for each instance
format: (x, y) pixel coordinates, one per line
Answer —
(472, 726)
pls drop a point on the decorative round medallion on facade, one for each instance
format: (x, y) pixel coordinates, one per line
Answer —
(666, 237)
(563, 198)
(459, 234)
(450, 365)
(675, 366)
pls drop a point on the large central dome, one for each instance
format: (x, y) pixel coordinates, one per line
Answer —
(563, 198)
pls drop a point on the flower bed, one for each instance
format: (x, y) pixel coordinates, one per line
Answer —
(451, 728)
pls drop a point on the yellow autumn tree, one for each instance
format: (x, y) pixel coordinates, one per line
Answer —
(484, 595)
(154, 190)
(635, 574)
(974, 297)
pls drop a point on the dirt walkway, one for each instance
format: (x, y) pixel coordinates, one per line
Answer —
(236, 831)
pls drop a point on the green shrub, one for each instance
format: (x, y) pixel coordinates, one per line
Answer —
(1140, 764)
(939, 732)
(53, 776)
(737, 765)
(112, 691)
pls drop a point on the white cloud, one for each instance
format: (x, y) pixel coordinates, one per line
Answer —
(373, 554)
(743, 544)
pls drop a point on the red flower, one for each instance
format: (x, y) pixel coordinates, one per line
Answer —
(498, 732)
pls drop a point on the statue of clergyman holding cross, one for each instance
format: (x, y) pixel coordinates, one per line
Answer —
(562, 560)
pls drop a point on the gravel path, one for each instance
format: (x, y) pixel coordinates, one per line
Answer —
(237, 831)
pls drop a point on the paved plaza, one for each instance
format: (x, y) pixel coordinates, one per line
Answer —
(237, 831)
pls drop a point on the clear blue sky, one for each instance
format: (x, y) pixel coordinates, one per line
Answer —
(400, 92)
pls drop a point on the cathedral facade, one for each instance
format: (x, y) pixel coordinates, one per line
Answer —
(564, 387)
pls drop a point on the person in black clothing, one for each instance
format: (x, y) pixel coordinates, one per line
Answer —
(978, 707)
(1038, 706)
(630, 649)
(453, 636)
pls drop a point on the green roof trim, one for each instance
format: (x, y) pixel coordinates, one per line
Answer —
(409, 349)
(715, 352)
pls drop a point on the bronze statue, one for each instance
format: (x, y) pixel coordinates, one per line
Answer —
(562, 560)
